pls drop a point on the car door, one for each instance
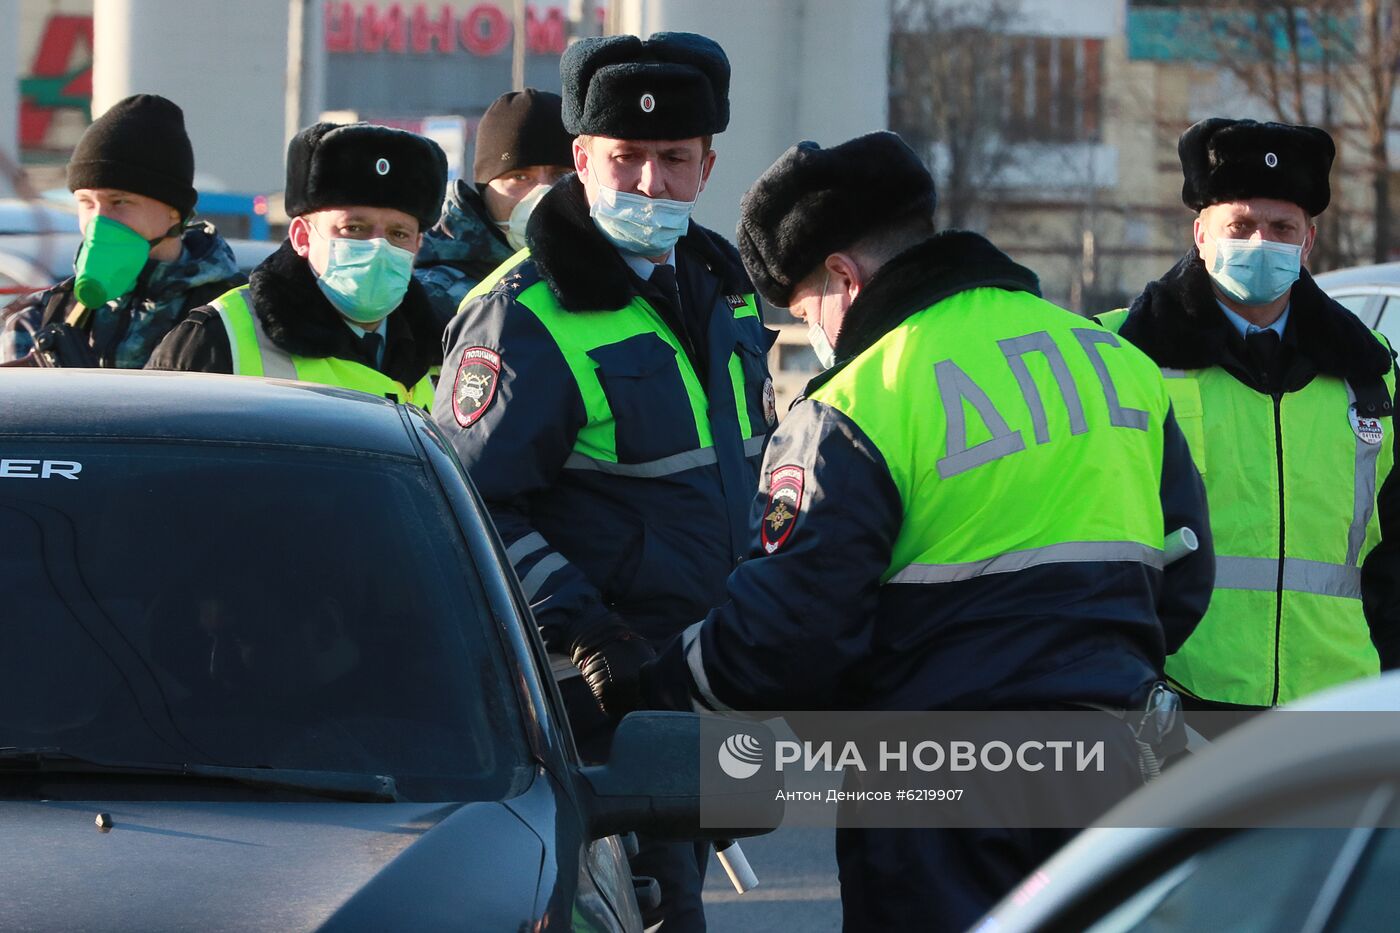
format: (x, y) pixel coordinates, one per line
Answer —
(1265, 880)
(1365, 302)
(1388, 322)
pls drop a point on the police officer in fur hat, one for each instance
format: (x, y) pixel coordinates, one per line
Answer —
(968, 510)
(142, 267)
(610, 393)
(1287, 401)
(337, 303)
(521, 149)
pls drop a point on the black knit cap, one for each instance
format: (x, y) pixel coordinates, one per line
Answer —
(1235, 160)
(674, 85)
(139, 145)
(520, 129)
(365, 165)
(813, 202)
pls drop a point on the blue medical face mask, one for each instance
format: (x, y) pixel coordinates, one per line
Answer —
(640, 225)
(365, 279)
(1255, 272)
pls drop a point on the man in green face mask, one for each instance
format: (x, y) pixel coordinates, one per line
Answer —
(337, 303)
(139, 270)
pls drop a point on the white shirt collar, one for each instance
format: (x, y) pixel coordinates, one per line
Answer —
(644, 266)
(1246, 328)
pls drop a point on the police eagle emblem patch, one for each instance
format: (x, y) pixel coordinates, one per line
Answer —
(784, 502)
(475, 387)
(1367, 430)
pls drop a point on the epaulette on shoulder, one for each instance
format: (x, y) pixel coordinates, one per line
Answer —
(511, 283)
(517, 279)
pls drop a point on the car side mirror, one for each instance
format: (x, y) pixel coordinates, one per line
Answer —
(652, 781)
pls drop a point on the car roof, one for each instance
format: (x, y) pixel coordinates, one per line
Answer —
(19, 216)
(1386, 273)
(203, 407)
(1259, 757)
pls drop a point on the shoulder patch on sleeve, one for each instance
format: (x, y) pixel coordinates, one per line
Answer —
(474, 389)
(784, 504)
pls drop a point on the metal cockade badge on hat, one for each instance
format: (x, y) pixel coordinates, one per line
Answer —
(382, 166)
(648, 103)
(1271, 160)
(1368, 430)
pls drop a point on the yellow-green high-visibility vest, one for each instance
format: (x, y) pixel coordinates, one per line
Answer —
(578, 335)
(254, 354)
(972, 396)
(1292, 485)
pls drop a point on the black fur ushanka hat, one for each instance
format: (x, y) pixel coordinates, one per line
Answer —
(1235, 160)
(674, 85)
(813, 202)
(365, 165)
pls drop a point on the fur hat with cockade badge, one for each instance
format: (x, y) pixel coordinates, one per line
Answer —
(813, 202)
(1236, 160)
(674, 85)
(365, 165)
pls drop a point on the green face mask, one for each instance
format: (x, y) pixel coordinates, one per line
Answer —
(111, 258)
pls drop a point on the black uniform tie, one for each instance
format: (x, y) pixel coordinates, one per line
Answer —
(664, 278)
(1264, 349)
(369, 349)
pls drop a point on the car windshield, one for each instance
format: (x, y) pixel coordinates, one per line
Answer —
(245, 607)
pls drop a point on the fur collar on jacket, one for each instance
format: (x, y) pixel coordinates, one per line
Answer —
(299, 319)
(925, 274)
(1178, 323)
(586, 273)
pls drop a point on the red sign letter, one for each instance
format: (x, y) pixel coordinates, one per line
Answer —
(340, 27)
(485, 30)
(52, 84)
(377, 33)
(545, 36)
(427, 33)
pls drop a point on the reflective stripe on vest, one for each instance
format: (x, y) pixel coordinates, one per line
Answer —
(666, 466)
(978, 405)
(254, 354)
(1068, 553)
(1280, 625)
(577, 335)
(1299, 576)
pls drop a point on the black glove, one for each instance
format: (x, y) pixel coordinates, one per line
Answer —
(610, 656)
(63, 345)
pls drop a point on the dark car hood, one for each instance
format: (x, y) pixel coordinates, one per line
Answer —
(239, 866)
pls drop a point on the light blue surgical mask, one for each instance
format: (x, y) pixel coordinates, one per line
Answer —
(514, 226)
(640, 225)
(365, 279)
(816, 334)
(1255, 272)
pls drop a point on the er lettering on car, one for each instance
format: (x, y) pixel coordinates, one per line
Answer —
(39, 469)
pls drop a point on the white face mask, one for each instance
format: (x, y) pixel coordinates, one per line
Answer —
(816, 334)
(514, 226)
(1255, 272)
(640, 225)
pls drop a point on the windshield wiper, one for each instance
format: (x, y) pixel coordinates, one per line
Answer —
(337, 785)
